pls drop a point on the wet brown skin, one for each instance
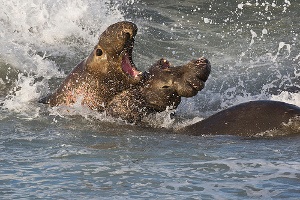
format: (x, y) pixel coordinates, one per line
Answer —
(107, 71)
(250, 119)
(108, 81)
(161, 87)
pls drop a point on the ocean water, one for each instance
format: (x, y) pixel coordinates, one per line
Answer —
(74, 153)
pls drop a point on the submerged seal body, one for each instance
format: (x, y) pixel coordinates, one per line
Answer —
(250, 119)
(108, 70)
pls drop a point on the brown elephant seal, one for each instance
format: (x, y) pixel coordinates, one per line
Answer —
(108, 80)
(251, 119)
(108, 70)
(161, 87)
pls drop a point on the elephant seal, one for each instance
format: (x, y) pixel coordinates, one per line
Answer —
(108, 70)
(107, 80)
(162, 87)
(251, 119)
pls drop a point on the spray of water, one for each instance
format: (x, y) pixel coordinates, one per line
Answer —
(38, 38)
(41, 41)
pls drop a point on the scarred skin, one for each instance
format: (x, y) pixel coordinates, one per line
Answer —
(107, 80)
(107, 71)
(161, 87)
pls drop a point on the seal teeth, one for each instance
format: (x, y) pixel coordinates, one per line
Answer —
(129, 53)
(128, 65)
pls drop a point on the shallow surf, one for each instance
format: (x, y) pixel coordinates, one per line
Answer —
(74, 153)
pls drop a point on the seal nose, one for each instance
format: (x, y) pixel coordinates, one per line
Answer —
(204, 64)
(203, 60)
(129, 29)
(129, 33)
(133, 28)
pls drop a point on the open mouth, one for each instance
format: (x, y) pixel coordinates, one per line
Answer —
(128, 66)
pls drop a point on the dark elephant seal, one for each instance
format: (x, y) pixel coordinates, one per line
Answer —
(108, 70)
(161, 87)
(251, 119)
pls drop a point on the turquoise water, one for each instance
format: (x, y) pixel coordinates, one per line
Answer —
(74, 153)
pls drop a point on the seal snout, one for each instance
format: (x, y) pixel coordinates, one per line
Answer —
(119, 39)
(204, 65)
(128, 28)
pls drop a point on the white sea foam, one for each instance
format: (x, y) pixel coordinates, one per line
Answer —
(288, 97)
(36, 34)
(38, 160)
(33, 31)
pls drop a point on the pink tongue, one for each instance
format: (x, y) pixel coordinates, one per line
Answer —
(127, 67)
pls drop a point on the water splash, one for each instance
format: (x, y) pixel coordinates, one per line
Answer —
(251, 59)
(38, 38)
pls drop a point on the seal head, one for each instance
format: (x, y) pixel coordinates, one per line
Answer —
(108, 70)
(115, 49)
(161, 87)
(167, 84)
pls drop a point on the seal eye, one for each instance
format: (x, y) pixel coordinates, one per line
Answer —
(99, 52)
